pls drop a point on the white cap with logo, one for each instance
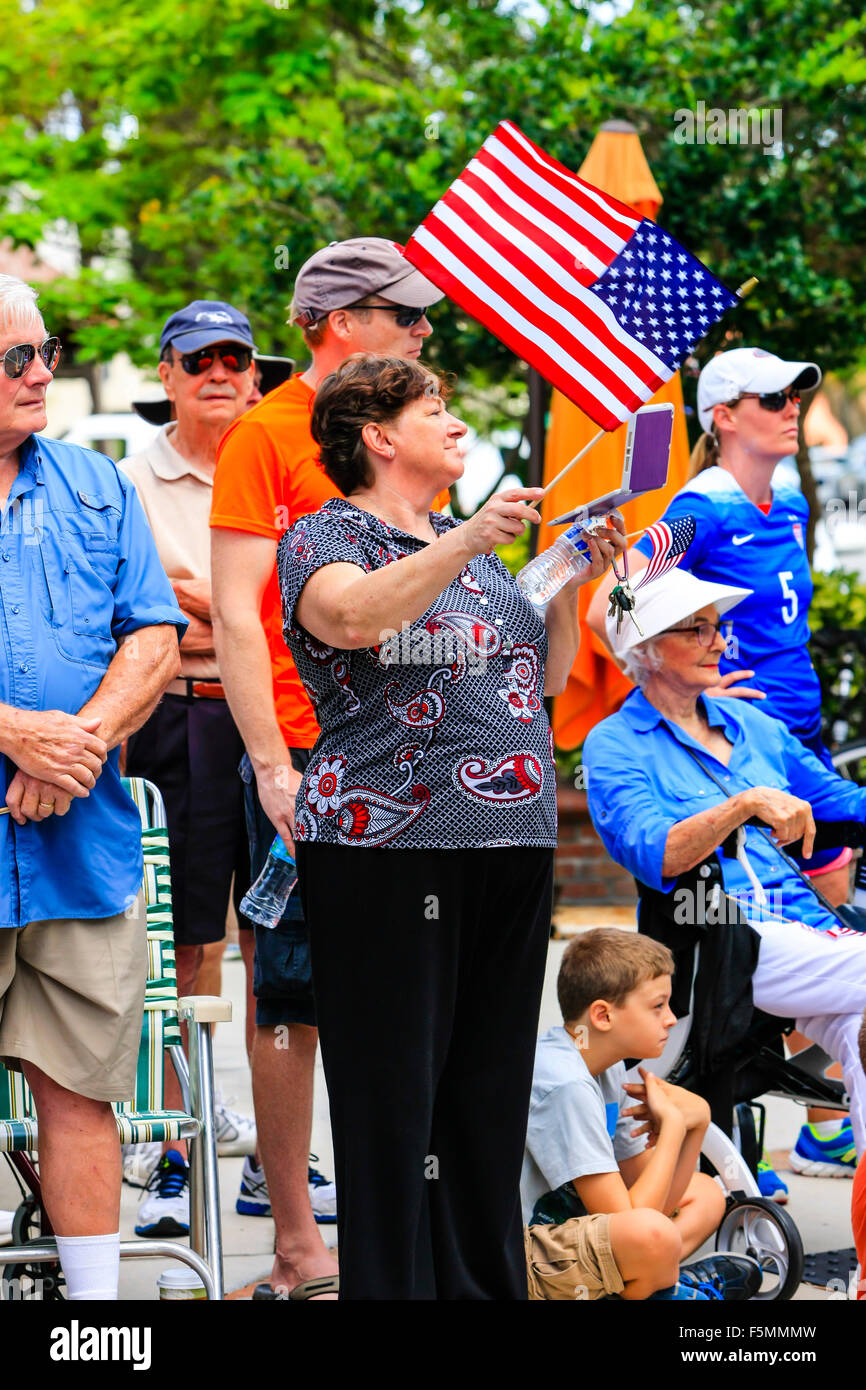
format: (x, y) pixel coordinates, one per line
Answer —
(727, 375)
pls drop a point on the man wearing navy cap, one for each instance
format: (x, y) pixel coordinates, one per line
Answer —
(190, 746)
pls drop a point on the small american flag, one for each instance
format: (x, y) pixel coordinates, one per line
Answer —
(669, 545)
(604, 303)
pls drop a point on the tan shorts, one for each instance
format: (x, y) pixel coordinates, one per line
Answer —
(71, 1000)
(571, 1261)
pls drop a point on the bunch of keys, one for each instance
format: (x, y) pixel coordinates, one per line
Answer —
(622, 599)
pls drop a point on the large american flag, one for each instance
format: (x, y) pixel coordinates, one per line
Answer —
(669, 545)
(604, 303)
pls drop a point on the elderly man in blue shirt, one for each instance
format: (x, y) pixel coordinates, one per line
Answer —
(673, 773)
(89, 641)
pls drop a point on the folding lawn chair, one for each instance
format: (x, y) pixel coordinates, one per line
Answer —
(143, 1118)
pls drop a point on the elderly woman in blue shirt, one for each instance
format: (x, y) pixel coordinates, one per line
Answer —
(425, 829)
(672, 774)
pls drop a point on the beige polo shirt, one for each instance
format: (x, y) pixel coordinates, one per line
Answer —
(176, 497)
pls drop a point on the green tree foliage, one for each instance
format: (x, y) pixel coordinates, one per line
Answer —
(202, 151)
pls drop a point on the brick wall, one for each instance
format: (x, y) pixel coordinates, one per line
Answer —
(585, 873)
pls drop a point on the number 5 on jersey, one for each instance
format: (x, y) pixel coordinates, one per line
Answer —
(788, 615)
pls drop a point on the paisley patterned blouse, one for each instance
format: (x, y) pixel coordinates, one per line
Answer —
(436, 738)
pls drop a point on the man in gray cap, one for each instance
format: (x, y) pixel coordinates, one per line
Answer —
(190, 746)
(360, 295)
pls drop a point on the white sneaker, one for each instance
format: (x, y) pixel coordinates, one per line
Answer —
(323, 1195)
(164, 1208)
(235, 1134)
(139, 1161)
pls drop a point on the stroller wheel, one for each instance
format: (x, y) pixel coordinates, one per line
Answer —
(758, 1227)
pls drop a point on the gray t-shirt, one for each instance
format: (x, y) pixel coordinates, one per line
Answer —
(575, 1127)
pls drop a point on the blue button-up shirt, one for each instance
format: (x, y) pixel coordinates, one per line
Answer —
(79, 571)
(641, 781)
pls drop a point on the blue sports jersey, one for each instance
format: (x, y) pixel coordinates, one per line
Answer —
(736, 543)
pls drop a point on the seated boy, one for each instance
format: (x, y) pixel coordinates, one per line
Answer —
(610, 1193)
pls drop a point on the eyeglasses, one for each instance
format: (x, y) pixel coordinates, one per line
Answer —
(706, 632)
(771, 400)
(235, 359)
(17, 360)
(404, 317)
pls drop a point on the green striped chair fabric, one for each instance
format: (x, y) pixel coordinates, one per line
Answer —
(143, 1118)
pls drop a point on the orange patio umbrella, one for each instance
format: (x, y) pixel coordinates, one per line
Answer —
(616, 164)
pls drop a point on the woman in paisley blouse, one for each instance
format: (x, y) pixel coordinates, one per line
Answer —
(425, 828)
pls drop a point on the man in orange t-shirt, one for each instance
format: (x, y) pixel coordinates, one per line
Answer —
(359, 295)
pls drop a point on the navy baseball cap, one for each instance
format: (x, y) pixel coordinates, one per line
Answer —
(203, 322)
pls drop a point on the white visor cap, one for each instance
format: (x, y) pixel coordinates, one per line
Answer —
(668, 600)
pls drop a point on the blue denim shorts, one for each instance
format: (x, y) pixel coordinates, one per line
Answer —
(282, 976)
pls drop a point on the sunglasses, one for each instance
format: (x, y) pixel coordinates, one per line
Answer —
(16, 360)
(771, 400)
(234, 359)
(404, 317)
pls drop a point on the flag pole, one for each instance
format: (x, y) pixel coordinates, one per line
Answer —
(568, 467)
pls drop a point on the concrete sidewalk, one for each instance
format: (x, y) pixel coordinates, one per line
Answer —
(819, 1206)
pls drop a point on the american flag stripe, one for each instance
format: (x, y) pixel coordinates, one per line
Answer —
(600, 210)
(506, 200)
(565, 276)
(594, 245)
(522, 325)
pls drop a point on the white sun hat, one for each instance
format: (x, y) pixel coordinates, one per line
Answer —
(665, 601)
(729, 374)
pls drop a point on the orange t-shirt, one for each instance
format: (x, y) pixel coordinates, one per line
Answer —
(268, 476)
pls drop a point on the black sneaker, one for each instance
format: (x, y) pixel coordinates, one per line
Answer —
(735, 1277)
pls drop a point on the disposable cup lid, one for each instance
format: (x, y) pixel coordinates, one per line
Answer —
(180, 1279)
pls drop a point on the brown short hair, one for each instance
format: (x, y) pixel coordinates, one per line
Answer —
(861, 1041)
(364, 388)
(314, 334)
(608, 964)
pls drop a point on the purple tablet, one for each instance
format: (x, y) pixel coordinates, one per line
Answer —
(645, 464)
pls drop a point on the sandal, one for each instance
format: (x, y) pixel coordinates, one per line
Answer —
(310, 1288)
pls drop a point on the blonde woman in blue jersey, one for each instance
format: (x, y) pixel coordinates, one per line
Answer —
(752, 532)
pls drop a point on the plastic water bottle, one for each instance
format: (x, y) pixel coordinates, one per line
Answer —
(266, 900)
(551, 570)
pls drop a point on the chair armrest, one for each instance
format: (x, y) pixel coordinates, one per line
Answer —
(204, 1008)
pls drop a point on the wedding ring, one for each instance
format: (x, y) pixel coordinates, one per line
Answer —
(49, 805)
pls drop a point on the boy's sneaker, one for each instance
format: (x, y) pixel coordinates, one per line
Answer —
(819, 1157)
(734, 1277)
(770, 1184)
(323, 1195)
(164, 1208)
(139, 1161)
(683, 1293)
(235, 1134)
(253, 1198)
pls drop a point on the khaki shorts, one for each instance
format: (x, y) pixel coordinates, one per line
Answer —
(71, 1000)
(571, 1261)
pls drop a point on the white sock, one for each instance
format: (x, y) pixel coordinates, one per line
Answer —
(91, 1265)
(828, 1129)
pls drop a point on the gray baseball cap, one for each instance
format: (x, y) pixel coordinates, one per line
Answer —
(346, 271)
